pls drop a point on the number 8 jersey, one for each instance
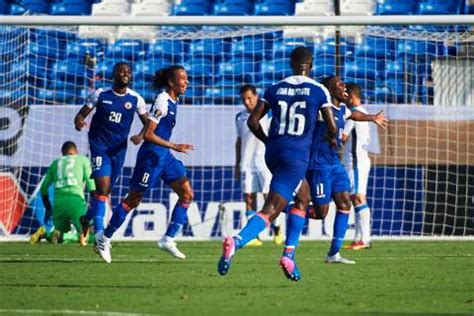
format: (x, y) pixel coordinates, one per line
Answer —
(295, 103)
(111, 123)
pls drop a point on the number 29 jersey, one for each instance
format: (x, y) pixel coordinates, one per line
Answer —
(114, 114)
(295, 103)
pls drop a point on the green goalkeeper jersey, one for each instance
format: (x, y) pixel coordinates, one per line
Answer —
(69, 174)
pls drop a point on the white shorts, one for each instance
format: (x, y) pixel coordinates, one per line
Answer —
(255, 181)
(358, 178)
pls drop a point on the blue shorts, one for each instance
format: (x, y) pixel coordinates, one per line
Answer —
(287, 175)
(107, 161)
(326, 181)
(150, 166)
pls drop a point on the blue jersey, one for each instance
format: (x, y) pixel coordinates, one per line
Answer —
(322, 153)
(113, 118)
(295, 103)
(164, 112)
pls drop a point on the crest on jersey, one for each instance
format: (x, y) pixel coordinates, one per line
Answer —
(128, 105)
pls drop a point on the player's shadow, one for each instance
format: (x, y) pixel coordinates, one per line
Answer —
(82, 286)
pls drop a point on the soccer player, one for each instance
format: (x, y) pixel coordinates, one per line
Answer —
(69, 174)
(356, 160)
(154, 160)
(108, 133)
(326, 176)
(250, 167)
(295, 103)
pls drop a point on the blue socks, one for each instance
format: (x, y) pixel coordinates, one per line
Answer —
(118, 217)
(254, 226)
(294, 226)
(177, 218)
(98, 211)
(340, 228)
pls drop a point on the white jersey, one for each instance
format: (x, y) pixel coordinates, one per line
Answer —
(252, 153)
(355, 151)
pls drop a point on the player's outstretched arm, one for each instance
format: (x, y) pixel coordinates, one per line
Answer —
(379, 119)
(253, 121)
(150, 136)
(79, 119)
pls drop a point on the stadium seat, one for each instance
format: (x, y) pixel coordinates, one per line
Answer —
(193, 7)
(238, 66)
(276, 70)
(396, 7)
(72, 70)
(46, 46)
(249, 46)
(394, 69)
(233, 8)
(81, 48)
(200, 67)
(321, 7)
(168, 48)
(71, 7)
(16, 9)
(357, 7)
(132, 50)
(151, 9)
(428, 7)
(4, 8)
(418, 49)
(376, 47)
(111, 9)
(215, 48)
(364, 68)
(274, 7)
(283, 48)
(35, 6)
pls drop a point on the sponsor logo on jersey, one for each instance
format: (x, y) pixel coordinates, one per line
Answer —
(107, 101)
(128, 105)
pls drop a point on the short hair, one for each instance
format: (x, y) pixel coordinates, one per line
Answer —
(301, 55)
(354, 88)
(122, 63)
(329, 83)
(248, 87)
(68, 146)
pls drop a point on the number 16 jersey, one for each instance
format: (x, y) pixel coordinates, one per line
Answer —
(295, 103)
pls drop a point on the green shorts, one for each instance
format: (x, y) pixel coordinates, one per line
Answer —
(68, 210)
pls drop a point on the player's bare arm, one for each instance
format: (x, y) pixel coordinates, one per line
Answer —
(254, 120)
(150, 136)
(328, 117)
(79, 119)
(379, 119)
(138, 138)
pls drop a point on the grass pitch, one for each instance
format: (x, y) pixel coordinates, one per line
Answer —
(393, 277)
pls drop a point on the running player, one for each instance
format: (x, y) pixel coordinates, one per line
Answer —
(356, 160)
(250, 167)
(295, 103)
(69, 174)
(326, 175)
(154, 160)
(108, 133)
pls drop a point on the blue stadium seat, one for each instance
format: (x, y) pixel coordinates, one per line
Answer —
(396, 7)
(104, 69)
(72, 70)
(323, 67)
(146, 69)
(250, 46)
(239, 66)
(71, 7)
(168, 48)
(35, 6)
(428, 7)
(81, 48)
(132, 50)
(233, 8)
(283, 48)
(47, 47)
(275, 7)
(376, 47)
(193, 7)
(394, 69)
(469, 7)
(16, 9)
(210, 48)
(199, 67)
(4, 7)
(418, 49)
(400, 91)
(365, 68)
(276, 70)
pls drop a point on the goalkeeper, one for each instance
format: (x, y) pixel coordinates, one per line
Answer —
(69, 174)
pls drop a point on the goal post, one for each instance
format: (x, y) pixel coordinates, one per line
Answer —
(418, 69)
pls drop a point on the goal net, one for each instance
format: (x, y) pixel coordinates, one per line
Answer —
(422, 177)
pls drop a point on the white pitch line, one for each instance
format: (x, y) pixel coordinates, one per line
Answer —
(68, 311)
